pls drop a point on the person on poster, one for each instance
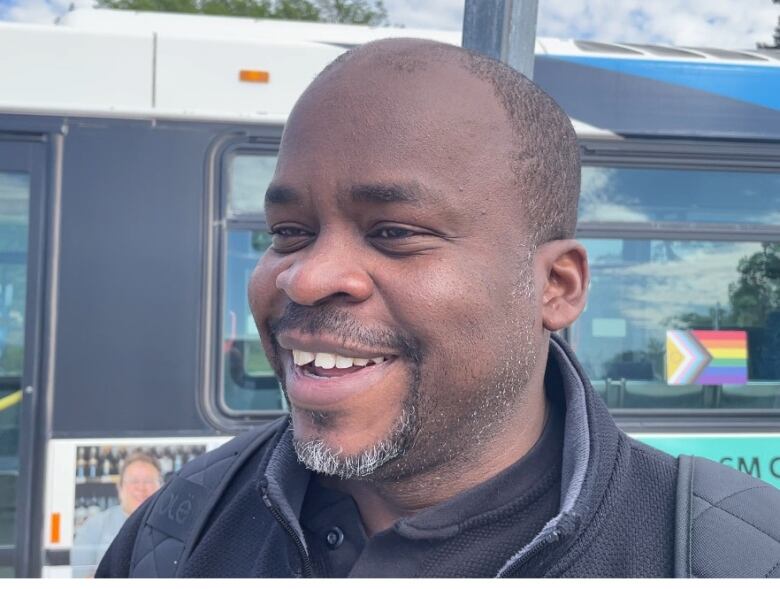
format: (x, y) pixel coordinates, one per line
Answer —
(139, 478)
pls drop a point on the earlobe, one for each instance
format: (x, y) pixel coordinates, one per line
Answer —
(565, 285)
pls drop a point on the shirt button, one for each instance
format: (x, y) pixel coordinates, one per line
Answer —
(334, 537)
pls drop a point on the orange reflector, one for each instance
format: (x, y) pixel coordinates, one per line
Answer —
(55, 528)
(256, 76)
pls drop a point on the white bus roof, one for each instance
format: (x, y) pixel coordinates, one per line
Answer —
(136, 64)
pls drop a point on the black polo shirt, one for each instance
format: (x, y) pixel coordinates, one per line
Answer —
(471, 535)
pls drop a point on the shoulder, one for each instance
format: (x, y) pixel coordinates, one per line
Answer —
(651, 467)
(644, 453)
(97, 522)
(114, 513)
(200, 482)
(209, 468)
(734, 523)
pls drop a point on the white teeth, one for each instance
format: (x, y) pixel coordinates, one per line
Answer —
(302, 358)
(324, 360)
(342, 362)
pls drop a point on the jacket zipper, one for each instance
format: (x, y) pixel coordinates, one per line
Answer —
(308, 571)
(543, 543)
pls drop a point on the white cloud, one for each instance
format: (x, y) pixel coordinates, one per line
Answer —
(39, 11)
(427, 14)
(720, 23)
(656, 291)
(600, 202)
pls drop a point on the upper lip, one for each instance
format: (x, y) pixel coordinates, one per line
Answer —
(320, 343)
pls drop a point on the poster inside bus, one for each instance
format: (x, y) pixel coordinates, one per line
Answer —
(95, 485)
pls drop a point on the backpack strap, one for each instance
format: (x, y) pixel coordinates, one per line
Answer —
(682, 524)
(177, 514)
(727, 523)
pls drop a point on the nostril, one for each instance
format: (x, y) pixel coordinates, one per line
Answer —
(312, 280)
(338, 296)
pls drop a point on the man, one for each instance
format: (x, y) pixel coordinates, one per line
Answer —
(422, 214)
(139, 479)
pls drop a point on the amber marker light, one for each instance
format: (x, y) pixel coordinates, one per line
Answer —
(55, 528)
(254, 76)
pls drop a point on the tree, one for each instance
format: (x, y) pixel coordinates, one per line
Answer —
(753, 296)
(361, 12)
(776, 44)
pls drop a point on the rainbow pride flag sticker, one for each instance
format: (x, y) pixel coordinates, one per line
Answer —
(706, 357)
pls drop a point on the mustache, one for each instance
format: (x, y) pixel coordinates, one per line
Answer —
(340, 323)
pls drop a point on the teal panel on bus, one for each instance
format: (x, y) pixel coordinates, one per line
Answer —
(758, 455)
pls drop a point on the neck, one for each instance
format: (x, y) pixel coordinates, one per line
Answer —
(382, 503)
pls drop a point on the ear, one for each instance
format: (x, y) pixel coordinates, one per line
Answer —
(565, 278)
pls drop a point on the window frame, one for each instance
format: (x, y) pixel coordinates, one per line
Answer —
(37, 154)
(634, 152)
(684, 154)
(219, 224)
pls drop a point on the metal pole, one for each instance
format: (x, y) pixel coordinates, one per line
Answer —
(504, 30)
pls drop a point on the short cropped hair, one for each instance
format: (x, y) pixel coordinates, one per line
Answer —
(546, 162)
(139, 457)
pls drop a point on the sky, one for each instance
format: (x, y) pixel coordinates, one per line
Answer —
(719, 23)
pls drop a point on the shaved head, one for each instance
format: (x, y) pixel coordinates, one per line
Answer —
(418, 212)
(545, 159)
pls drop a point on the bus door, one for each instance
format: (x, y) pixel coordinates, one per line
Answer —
(22, 190)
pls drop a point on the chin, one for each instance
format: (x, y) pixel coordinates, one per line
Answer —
(328, 444)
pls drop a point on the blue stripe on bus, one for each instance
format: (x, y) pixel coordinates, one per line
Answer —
(750, 83)
(633, 105)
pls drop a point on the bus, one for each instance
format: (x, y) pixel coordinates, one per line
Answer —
(134, 152)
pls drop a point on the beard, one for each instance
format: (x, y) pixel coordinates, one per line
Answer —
(315, 453)
(434, 428)
(371, 462)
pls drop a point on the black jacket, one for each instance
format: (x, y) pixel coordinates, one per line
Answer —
(616, 518)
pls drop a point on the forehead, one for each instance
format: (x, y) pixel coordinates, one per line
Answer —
(139, 466)
(434, 123)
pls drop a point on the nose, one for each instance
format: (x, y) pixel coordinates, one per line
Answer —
(329, 269)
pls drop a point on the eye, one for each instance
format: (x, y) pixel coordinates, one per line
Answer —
(286, 239)
(392, 233)
(402, 240)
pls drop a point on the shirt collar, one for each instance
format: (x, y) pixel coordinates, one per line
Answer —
(287, 479)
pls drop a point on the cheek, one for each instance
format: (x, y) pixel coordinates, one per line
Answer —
(458, 314)
(264, 298)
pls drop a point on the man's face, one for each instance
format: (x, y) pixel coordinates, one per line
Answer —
(397, 301)
(139, 482)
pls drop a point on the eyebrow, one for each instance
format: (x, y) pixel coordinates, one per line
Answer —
(280, 195)
(366, 193)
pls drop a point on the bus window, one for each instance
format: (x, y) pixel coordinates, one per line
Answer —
(248, 176)
(642, 195)
(247, 384)
(14, 203)
(643, 288)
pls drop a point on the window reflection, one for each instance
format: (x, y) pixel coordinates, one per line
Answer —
(248, 381)
(638, 195)
(248, 178)
(14, 225)
(642, 288)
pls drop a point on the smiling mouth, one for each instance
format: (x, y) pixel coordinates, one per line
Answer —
(324, 373)
(329, 365)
